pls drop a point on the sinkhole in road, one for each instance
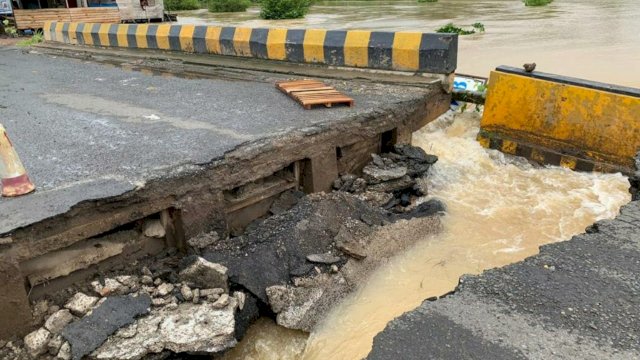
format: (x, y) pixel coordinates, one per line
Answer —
(500, 210)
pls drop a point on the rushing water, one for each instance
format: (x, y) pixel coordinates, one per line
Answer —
(593, 39)
(500, 210)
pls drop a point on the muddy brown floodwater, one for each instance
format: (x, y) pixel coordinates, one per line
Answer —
(592, 39)
(500, 210)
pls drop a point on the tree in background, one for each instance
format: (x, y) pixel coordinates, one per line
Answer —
(228, 5)
(284, 9)
(176, 5)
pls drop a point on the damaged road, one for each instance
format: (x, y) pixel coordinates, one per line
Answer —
(98, 132)
(127, 163)
(294, 265)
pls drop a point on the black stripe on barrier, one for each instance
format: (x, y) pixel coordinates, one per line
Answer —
(152, 40)
(552, 158)
(226, 41)
(495, 143)
(52, 31)
(258, 43)
(174, 37)
(583, 165)
(200, 39)
(523, 150)
(294, 45)
(439, 53)
(65, 33)
(80, 34)
(95, 37)
(132, 41)
(381, 49)
(616, 89)
(113, 35)
(334, 47)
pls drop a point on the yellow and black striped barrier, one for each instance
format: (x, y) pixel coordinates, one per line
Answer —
(557, 120)
(402, 51)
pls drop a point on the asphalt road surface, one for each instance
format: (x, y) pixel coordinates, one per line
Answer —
(88, 131)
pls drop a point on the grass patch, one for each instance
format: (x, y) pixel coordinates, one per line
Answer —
(537, 2)
(284, 9)
(8, 29)
(37, 38)
(450, 28)
(228, 5)
(426, 1)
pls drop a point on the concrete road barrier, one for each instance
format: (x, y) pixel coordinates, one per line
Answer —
(557, 120)
(402, 51)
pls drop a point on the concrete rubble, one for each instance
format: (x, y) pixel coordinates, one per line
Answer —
(391, 180)
(133, 320)
(332, 241)
(36, 342)
(56, 322)
(80, 303)
(189, 327)
(86, 334)
(203, 303)
(204, 273)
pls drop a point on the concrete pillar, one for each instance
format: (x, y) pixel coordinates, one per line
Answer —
(320, 171)
(171, 220)
(403, 135)
(203, 211)
(15, 316)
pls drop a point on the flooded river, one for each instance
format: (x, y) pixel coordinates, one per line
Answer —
(592, 39)
(500, 210)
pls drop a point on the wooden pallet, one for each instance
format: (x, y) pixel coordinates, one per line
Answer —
(35, 19)
(312, 92)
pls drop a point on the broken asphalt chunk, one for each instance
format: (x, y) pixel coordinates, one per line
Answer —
(87, 334)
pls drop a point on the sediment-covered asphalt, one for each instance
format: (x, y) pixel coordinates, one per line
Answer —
(578, 299)
(87, 131)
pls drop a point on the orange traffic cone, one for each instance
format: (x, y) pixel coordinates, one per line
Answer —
(13, 176)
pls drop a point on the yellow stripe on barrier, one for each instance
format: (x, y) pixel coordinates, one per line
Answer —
(186, 37)
(162, 37)
(568, 162)
(276, 44)
(356, 48)
(566, 118)
(212, 39)
(241, 39)
(86, 34)
(141, 36)
(406, 51)
(47, 31)
(73, 38)
(509, 147)
(121, 34)
(313, 45)
(103, 34)
(58, 31)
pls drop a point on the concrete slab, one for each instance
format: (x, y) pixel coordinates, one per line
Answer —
(575, 300)
(86, 131)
